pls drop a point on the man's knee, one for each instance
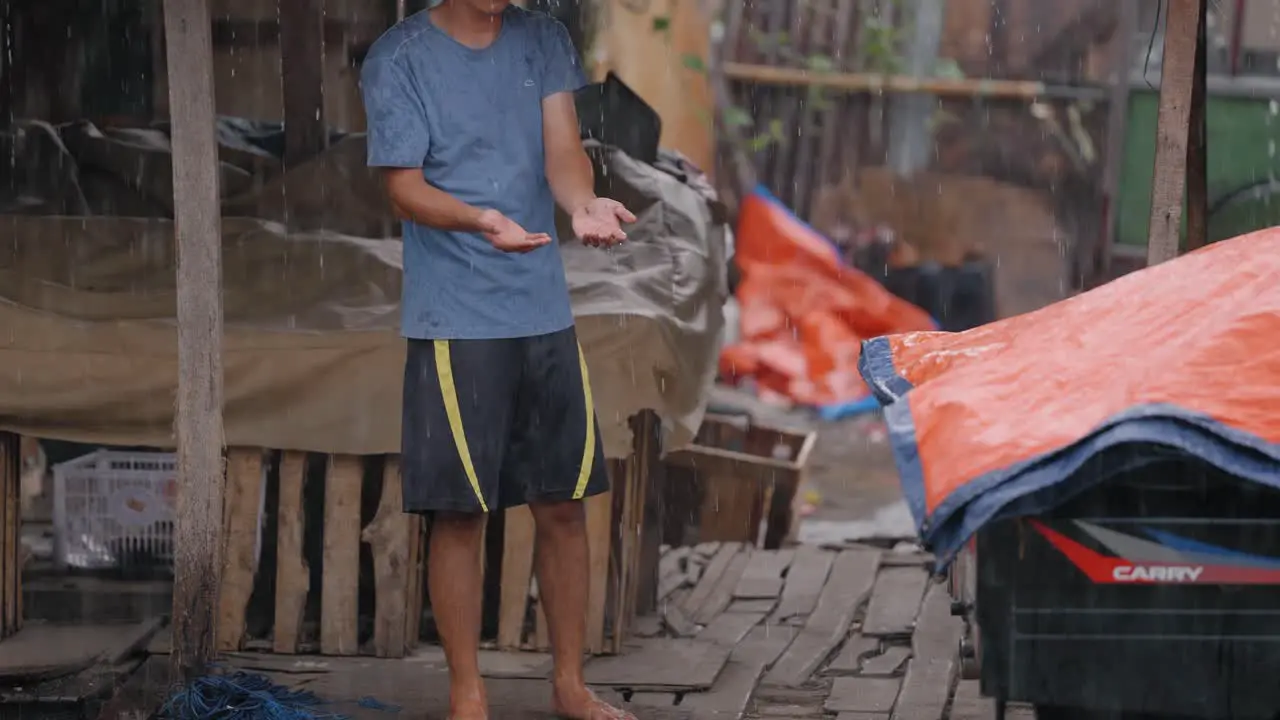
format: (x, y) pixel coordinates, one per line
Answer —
(559, 515)
(459, 527)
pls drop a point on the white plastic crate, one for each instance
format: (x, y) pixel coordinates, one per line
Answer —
(114, 510)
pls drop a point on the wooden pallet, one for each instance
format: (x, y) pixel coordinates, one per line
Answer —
(623, 534)
(10, 539)
(395, 541)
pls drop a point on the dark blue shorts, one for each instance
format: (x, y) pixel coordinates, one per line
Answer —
(490, 424)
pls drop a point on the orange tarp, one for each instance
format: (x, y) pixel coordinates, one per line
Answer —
(804, 313)
(1195, 340)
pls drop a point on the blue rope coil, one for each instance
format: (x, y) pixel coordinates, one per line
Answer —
(244, 696)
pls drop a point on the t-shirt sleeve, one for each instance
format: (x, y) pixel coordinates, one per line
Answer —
(396, 115)
(562, 68)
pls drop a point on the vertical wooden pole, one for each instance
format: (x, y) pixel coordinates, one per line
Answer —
(1197, 142)
(1172, 128)
(197, 533)
(302, 73)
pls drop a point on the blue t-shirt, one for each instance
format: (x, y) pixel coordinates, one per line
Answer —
(472, 120)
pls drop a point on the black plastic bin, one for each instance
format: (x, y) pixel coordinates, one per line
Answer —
(1048, 634)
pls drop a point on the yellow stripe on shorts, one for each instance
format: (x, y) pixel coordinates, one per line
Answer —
(444, 370)
(589, 447)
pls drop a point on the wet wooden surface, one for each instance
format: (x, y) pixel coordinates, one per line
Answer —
(829, 639)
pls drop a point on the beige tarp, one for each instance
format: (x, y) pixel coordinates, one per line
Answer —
(312, 359)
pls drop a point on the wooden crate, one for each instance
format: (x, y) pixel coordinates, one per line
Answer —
(395, 542)
(736, 477)
(10, 538)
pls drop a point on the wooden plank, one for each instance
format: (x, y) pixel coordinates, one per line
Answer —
(653, 699)
(751, 606)
(58, 650)
(1172, 123)
(722, 594)
(417, 579)
(517, 572)
(933, 659)
(340, 570)
(197, 539)
(302, 76)
(805, 579)
(660, 664)
(1197, 142)
(652, 508)
(876, 83)
(711, 577)
(730, 628)
(388, 538)
(240, 556)
(728, 699)
(599, 510)
(894, 602)
(671, 574)
(10, 538)
(762, 577)
(887, 664)
(293, 576)
(865, 695)
(969, 704)
(851, 656)
(674, 615)
(852, 575)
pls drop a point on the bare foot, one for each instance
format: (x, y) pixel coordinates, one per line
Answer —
(581, 704)
(468, 706)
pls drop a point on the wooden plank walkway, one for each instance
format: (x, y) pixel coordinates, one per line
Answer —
(743, 634)
(859, 633)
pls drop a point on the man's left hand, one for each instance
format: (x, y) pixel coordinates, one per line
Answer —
(599, 222)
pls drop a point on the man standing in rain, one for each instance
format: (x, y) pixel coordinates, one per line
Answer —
(471, 117)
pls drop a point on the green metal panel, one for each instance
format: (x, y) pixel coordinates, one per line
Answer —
(1244, 150)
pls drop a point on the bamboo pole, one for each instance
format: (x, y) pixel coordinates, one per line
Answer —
(878, 83)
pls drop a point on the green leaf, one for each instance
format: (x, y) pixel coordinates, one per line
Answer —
(776, 129)
(693, 62)
(820, 63)
(661, 23)
(735, 116)
(949, 69)
(759, 142)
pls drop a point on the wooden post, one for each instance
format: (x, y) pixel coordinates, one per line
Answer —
(302, 71)
(198, 227)
(1197, 142)
(1172, 129)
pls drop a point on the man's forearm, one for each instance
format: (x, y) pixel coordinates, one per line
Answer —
(571, 178)
(414, 199)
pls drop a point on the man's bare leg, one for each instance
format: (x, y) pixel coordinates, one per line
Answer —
(457, 587)
(562, 565)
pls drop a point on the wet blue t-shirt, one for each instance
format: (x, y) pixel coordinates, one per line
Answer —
(472, 120)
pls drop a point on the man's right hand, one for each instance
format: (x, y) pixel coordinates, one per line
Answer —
(507, 236)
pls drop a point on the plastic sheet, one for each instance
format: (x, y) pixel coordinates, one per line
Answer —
(1012, 418)
(804, 312)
